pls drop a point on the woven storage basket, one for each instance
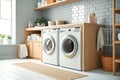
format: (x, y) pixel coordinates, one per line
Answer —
(107, 63)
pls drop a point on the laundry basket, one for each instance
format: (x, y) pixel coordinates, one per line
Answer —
(22, 51)
(107, 63)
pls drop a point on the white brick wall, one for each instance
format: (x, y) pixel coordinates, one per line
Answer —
(79, 12)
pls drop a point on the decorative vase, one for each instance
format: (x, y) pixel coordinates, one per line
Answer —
(30, 25)
(92, 18)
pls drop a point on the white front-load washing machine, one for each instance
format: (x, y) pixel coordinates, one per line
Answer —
(70, 48)
(50, 46)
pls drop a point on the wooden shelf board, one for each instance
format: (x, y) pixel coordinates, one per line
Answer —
(59, 26)
(117, 10)
(117, 25)
(117, 60)
(34, 29)
(55, 4)
(117, 42)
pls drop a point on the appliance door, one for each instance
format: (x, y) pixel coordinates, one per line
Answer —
(69, 46)
(49, 45)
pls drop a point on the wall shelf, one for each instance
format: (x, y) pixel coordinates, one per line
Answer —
(117, 42)
(59, 3)
(117, 10)
(117, 25)
(117, 60)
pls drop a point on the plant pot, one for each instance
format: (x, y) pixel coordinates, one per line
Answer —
(43, 24)
(38, 24)
(1, 41)
(9, 41)
(107, 63)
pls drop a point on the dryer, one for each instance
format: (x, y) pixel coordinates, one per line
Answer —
(70, 48)
(50, 46)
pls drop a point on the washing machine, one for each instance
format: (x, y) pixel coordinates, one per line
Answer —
(50, 46)
(70, 48)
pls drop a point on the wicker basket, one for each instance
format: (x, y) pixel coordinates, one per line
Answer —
(107, 63)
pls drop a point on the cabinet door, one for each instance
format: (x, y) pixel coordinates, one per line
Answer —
(30, 51)
(37, 50)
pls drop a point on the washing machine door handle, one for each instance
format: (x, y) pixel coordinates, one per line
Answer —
(49, 45)
(69, 45)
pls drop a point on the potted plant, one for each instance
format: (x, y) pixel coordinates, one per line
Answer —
(41, 21)
(1, 39)
(37, 22)
(9, 39)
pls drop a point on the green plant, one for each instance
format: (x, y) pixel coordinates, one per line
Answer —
(9, 37)
(37, 21)
(41, 20)
(2, 36)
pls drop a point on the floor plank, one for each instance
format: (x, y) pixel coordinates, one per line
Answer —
(9, 71)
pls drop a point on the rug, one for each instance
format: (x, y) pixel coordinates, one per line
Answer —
(56, 73)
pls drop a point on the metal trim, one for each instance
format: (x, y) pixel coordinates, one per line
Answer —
(53, 45)
(71, 37)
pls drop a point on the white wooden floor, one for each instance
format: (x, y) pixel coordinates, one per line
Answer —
(8, 71)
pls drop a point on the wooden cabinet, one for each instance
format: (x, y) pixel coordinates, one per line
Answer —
(116, 26)
(37, 50)
(58, 3)
(90, 56)
(34, 49)
(34, 46)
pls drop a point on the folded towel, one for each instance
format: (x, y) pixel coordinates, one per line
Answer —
(100, 39)
(23, 51)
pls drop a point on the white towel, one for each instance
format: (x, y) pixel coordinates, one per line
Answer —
(100, 39)
(23, 51)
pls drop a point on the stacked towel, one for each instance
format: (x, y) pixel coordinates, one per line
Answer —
(100, 39)
(23, 51)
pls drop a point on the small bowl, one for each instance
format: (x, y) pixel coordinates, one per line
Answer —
(59, 22)
(51, 23)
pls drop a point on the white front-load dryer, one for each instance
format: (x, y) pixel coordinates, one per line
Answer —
(50, 46)
(70, 48)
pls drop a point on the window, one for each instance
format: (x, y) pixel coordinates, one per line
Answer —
(6, 19)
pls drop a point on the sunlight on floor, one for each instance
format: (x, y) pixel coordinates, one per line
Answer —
(12, 72)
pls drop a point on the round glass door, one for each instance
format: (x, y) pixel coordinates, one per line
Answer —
(49, 45)
(69, 45)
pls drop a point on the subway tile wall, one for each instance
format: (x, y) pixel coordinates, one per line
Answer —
(79, 12)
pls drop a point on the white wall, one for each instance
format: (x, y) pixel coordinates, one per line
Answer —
(8, 51)
(24, 13)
